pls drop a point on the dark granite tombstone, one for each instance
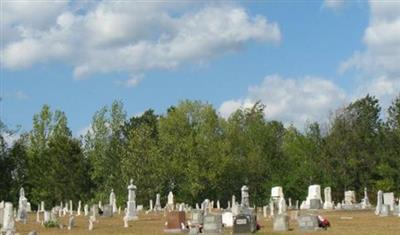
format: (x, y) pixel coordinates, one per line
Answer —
(212, 223)
(244, 223)
(176, 222)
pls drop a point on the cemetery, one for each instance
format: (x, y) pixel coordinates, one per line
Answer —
(314, 215)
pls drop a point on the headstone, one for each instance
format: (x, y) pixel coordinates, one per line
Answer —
(245, 203)
(349, 197)
(227, 219)
(281, 206)
(385, 211)
(365, 204)
(233, 200)
(290, 203)
(297, 205)
(95, 211)
(126, 221)
(22, 214)
(244, 223)
(170, 202)
(212, 223)
(151, 205)
(92, 219)
(46, 217)
(379, 202)
(32, 233)
(197, 217)
(280, 223)
(218, 205)
(157, 205)
(113, 201)
(315, 204)
(107, 210)
(328, 199)
(307, 222)
(272, 207)
(71, 222)
(8, 225)
(71, 209)
(176, 221)
(38, 217)
(42, 209)
(388, 199)
(131, 204)
(265, 211)
(314, 192)
(78, 210)
(277, 192)
(86, 209)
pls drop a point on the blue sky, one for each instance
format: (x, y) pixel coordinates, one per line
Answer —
(303, 59)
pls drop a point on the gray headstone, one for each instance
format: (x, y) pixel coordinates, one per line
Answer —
(32, 232)
(315, 204)
(212, 223)
(307, 222)
(107, 210)
(197, 217)
(280, 223)
(385, 211)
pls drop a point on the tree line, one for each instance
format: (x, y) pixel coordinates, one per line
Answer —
(197, 154)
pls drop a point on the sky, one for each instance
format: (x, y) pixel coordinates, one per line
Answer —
(302, 59)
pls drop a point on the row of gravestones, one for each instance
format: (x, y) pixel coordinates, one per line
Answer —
(386, 204)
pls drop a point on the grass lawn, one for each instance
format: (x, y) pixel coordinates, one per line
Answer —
(343, 222)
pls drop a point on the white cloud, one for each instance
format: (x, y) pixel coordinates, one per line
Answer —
(292, 101)
(382, 41)
(379, 62)
(334, 4)
(133, 81)
(134, 37)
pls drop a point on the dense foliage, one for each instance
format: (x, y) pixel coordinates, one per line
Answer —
(197, 154)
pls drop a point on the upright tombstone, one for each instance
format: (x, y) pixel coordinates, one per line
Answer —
(131, 204)
(313, 200)
(151, 205)
(290, 203)
(79, 209)
(379, 202)
(157, 205)
(365, 204)
(8, 219)
(328, 199)
(176, 222)
(71, 209)
(307, 222)
(86, 210)
(227, 219)
(281, 206)
(170, 202)
(107, 210)
(244, 223)
(42, 208)
(113, 201)
(385, 211)
(212, 223)
(280, 223)
(22, 206)
(388, 199)
(197, 217)
(245, 203)
(1, 212)
(349, 197)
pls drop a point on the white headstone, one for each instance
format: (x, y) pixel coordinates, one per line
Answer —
(170, 199)
(365, 204)
(113, 201)
(314, 192)
(78, 211)
(388, 199)
(8, 219)
(349, 197)
(245, 197)
(328, 199)
(86, 209)
(157, 205)
(277, 192)
(131, 204)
